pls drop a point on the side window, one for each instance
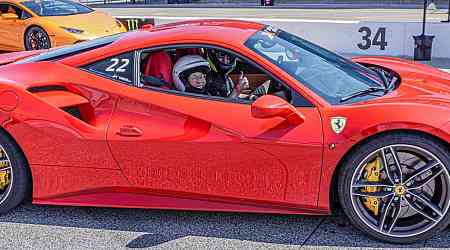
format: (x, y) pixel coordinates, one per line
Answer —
(212, 73)
(118, 68)
(25, 15)
(8, 8)
(14, 10)
(3, 8)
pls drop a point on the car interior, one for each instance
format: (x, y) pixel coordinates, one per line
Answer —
(156, 72)
(10, 9)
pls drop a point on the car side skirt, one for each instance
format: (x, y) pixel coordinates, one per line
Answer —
(54, 185)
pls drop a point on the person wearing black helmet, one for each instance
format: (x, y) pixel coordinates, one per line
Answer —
(222, 64)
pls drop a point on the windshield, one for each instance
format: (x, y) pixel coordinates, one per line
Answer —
(56, 7)
(329, 75)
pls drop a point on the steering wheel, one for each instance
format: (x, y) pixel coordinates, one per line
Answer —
(261, 90)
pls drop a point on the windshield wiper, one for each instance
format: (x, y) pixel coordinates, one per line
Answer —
(382, 76)
(363, 92)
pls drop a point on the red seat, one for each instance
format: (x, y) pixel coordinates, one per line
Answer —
(160, 65)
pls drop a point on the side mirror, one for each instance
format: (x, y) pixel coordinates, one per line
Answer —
(269, 106)
(10, 16)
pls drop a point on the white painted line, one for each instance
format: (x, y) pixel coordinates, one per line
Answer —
(248, 19)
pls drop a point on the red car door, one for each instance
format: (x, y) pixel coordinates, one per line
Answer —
(193, 146)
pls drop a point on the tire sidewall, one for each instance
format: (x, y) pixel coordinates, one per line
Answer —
(21, 180)
(351, 164)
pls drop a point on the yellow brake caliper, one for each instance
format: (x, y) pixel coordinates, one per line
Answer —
(4, 180)
(373, 175)
(4, 176)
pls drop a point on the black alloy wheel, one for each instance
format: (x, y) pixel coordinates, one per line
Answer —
(397, 188)
(36, 38)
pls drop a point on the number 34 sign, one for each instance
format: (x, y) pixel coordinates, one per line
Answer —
(372, 38)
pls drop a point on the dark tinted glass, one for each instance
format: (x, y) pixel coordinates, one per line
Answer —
(120, 68)
(56, 7)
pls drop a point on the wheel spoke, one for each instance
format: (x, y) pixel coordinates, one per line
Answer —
(386, 166)
(384, 211)
(429, 166)
(395, 214)
(427, 203)
(5, 169)
(420, 210)
(398, 167)
(377, 194)
(367, 184)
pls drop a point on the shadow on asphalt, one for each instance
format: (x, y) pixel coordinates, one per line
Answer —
(161, 226)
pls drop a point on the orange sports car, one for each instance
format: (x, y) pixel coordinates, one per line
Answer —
(36, 24)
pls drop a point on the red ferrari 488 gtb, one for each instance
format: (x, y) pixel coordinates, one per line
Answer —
(223, 115)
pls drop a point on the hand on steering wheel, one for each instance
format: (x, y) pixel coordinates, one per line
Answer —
(243, 82)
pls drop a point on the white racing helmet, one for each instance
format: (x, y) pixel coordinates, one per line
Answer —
(185, 66)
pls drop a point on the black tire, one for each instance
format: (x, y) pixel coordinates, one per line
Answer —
(352, 193)
(36, 38)
(20, 183)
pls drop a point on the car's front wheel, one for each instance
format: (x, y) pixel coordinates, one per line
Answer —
(36, 38)
(396, 187)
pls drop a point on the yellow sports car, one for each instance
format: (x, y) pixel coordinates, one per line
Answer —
(42, 24)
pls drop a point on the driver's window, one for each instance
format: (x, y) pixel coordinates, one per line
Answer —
(13, 10)
(8, 8)
(209, 72)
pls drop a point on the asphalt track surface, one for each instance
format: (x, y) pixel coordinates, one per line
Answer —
(46, 227)
(52, 227)
(376, 15)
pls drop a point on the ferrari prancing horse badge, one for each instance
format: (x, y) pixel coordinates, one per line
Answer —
(338, 124)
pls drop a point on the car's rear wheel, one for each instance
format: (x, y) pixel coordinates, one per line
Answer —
(14, 175)
(397, 187)
(36, 38)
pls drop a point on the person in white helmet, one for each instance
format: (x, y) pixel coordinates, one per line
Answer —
(191, 74)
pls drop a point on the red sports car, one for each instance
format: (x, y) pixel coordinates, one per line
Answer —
(224, 115)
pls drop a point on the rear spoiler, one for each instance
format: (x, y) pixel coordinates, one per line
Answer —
(16, 56)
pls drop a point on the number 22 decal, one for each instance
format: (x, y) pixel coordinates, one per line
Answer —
(115, 62)
(378, 40)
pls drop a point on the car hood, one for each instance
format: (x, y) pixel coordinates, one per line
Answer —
(94, 23)
(422, 90)
(421, 84)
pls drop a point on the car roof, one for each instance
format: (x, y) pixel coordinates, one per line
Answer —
(232, 32)
(221, 32)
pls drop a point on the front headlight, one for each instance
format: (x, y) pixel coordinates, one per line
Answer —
(72, 30)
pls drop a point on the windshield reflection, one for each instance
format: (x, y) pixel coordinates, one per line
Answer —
(329, 75)
(56, 7)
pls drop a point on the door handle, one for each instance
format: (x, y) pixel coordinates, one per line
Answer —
(130, 130)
